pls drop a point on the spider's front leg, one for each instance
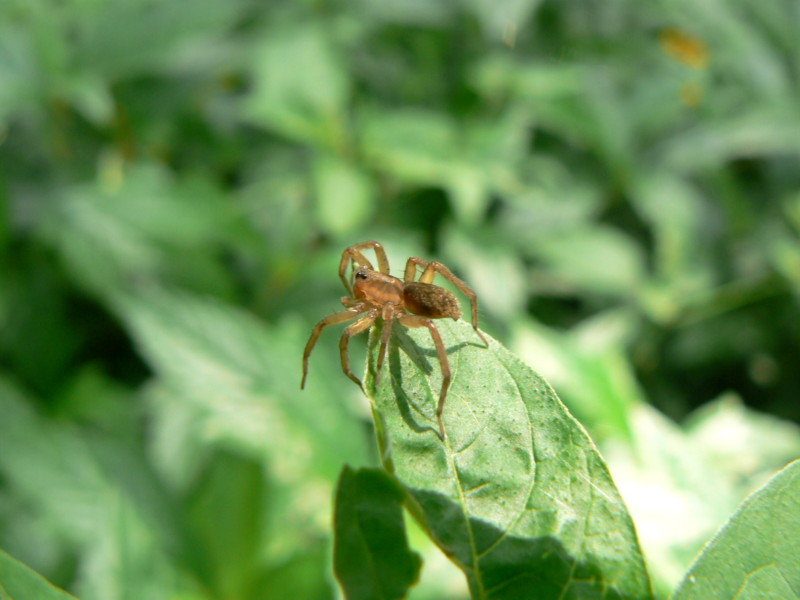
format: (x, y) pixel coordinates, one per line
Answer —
(339, 317)
(354, 253)
(353, 329)
(417, 321)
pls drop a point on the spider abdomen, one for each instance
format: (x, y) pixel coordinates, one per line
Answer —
(428, 300)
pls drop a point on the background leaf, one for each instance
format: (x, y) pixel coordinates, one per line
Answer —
(18, 582)
(755, 554)
(304, 98)
(98, 496)
(343, 194)
(243, 385)
(372, 560)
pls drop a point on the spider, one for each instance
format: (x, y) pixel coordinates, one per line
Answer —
(375, 294)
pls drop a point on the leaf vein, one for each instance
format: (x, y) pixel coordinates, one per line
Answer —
(528, 494)
(582, 548)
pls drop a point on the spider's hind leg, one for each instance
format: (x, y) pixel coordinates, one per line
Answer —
(430, 270)
(417, 321)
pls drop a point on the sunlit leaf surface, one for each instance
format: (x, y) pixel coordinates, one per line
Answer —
(517, 495)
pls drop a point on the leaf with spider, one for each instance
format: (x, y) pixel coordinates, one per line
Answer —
(516, 495)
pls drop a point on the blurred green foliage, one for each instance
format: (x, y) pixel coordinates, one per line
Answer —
(618, 181)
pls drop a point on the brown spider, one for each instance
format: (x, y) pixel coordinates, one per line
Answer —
(411, 303)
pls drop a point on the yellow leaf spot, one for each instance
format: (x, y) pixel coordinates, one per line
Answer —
(684, 47)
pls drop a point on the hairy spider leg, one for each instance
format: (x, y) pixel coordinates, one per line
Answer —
(349, 302)
(353, 329)
(353, 253)
(417, 321)
(333, 319)
(388, 315)
(430, 270)
(356, 257)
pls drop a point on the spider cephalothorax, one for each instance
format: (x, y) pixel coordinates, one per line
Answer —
(375, 294)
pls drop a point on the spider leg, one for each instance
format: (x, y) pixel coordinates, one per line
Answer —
(339, 317)
(349, 302)
(354, 328)
(353, 253)
(388, 315)
(430, 270)
(417, 321)
(411, 269)
(355, 256)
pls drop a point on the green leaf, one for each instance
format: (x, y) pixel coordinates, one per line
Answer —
(305, 97)
(109, 36)
(303, 575)
(243, 378)
(224, 379)
(500, 20)
(755, 554)
(52, 468)
(746, 445)
(416, 145)
(372, 559)
(96, 494)
(226, 512)
(494, 271)
(773, 130)
(673, 491)
(344, 195)
(589, 369)
(425, 147)
(139, 223)
(681, 234)
(594, 259)
(18, 71)
(517, 494)
(19, 582)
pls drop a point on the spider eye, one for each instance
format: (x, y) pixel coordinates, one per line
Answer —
(360, 274)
